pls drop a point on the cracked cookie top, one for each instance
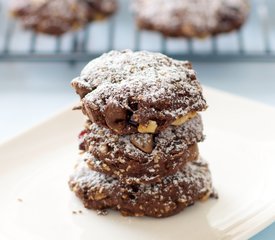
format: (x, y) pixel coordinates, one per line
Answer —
(128, 91)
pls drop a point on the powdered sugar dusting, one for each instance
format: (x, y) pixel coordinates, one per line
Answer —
(84, 177)
(144, 77)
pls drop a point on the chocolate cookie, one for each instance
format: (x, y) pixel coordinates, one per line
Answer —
(144, 92)
(56, 17)
(140, 157)
(172, 195)
(154, 174)
(191, 18)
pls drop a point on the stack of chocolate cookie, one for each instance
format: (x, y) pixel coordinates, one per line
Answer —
(139, 146)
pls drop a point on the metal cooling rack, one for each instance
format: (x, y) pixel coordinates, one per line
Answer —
(254, 42)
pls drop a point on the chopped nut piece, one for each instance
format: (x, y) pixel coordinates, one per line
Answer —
(124, 196)
(121, 160)
(181, 120)
(128, 168)
(156, 158)
(90, 148)
(206, 196)
(106, 167)
(150, 127)
(99, 196)
(139, 214)
(167, 208)
(182, 200)
(144, 142)
(103, 149)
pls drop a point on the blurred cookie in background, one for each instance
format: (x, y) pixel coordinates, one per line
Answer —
(56, 17)
(191, 18)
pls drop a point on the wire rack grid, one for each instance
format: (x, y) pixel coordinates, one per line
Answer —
(254, 42)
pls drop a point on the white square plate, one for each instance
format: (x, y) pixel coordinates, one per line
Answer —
(36, 203)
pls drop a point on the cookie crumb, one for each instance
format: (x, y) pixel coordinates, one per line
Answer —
(102, 212)
(77, 108)
(19, 199)
(74, 212)
(214, 194)
(80, 211)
